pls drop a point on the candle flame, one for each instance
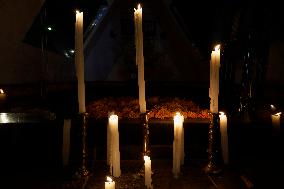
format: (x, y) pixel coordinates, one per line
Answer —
(272, 107)
(217, 47)
(139, 8)
(77, 12)
(113, 118)
(178, 117)
(278, 114)
(222, 113)
(146, 158)
(109, 179)
(1, 91)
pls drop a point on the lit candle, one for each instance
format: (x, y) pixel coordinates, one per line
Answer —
(114, 146)
(178, 151)
(79, 61)
(2, 95)
(109, 184)
(276, 121)
(214, 79)
(224, 137)
(148, 172)
(140, 57)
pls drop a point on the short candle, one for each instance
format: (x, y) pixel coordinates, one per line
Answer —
(109, 184)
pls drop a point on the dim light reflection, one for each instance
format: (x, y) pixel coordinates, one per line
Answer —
(4, 118)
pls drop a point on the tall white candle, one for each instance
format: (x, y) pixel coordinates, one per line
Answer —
(79, 61)
(178, 152)
(140, 57)
(214, 79)
(114, 146)
(276, 121)
(148, 172)
(109, 184)
(224, 137)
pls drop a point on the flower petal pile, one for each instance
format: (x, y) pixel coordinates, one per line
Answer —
(159, 108)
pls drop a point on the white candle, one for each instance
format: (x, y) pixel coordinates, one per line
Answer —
(109, 184)
(140, 57)
(224, 137)
(276, 121)
(178, 151)
(214, 79)
(114, 146)
(79, 61)
(148, 172)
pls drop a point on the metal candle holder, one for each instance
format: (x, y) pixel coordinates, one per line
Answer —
(213, 166)
(82, 170)
(146, 143)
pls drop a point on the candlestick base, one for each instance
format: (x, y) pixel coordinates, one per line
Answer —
(146, 143)
(82, 170)
(213, 166)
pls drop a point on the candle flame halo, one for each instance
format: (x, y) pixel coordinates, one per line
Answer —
(77, 11)
(146, 158)
(278, 114)
(178, 117)
(109, 179)
(217, 47)
(2, 91)
(139, 8)
(113, 117)
(222, 113)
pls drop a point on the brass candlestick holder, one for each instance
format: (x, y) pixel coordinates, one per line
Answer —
(146, 143)
(82, 170)
(213, 166)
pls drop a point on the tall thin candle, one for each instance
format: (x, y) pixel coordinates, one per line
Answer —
(148, 172)
(79, 61)
(114, 146)
(178, 150)
(140, 57)
(214, 79)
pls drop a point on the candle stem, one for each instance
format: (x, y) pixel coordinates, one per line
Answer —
(213, 166)
(82, 170)
(146, 143)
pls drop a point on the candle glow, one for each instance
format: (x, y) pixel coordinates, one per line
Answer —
(276, 122)
(109, 184)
